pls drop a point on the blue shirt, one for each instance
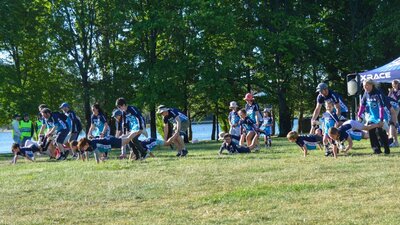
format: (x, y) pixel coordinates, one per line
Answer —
(99, 122)
(309, 141)
(267, 123)
(105, 143)
(28, 151)
(246, 124)
(343, 132)
(150, 143)
(233, 148)
(135, 118)
(123, 124)
(172, 114)
(73, 121)
(233, 117)
(395, 95)
(373, 102)
(252, 110)
(333, 97)
(57, 119)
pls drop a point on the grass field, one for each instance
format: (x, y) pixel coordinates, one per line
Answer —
(275, 186)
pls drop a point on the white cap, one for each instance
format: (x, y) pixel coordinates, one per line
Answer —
(233, 104)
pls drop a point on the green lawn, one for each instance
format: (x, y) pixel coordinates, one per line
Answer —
(275, 186)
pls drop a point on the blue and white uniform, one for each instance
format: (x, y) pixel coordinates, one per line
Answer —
(252, 111)
(234, 119)
(28, 151)
(329, 120)
(247, 125)
(233, 148)
(335, 98)
(58, 120)
(347, 130)
(74, 123)
(150, 143)
(105, 144)
(310, 141)
(99, 122)
(172, 114)
(267, 125)
(134, 119)
(375, 104)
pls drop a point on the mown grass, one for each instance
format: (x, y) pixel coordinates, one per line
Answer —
(275, 186)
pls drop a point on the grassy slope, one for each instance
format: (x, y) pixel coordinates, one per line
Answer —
(276, 186)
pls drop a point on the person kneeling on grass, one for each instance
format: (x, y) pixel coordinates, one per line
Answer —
(103, 145)
(27, 152)
(306, 142)
(349, 131)
(232, 148)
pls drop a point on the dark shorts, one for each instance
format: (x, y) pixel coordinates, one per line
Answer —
(243, 150)
(61, 136)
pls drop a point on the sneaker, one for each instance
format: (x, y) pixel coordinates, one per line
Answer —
(179, 154)
(328, 153)
(60, 156)
(184, 153)
(257, 148)
(122, 156)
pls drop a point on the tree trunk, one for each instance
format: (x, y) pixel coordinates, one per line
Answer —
(284, 114)
(190, 131)
(153, 128)
(86, 98)
(300, 121)
(213, 128)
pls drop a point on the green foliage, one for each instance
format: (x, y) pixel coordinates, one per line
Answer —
(193, 55)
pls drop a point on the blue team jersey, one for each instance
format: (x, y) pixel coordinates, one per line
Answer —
(28, 151)
(266, 125)
(172, 114)
(395, 95)
(233, 117)
(73, 121)
(346, 130)
(373, 101)
(333, 97)
(99, 122)
(252, 110)
(123, 124)
(134, 118)
(309, 141)
(150, 143)
(246, 125)
(329, 120)
(57, 119)
(105, 144)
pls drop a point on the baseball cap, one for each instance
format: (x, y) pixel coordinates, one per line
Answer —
(321, 86)
(161, 109)
(233, 104)
(64, 104)
(248, 97)
(16, 115)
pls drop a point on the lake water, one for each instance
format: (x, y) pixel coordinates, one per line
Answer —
(201, 132)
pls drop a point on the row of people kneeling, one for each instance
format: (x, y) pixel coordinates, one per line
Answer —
(350, 130)
(99, 147)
